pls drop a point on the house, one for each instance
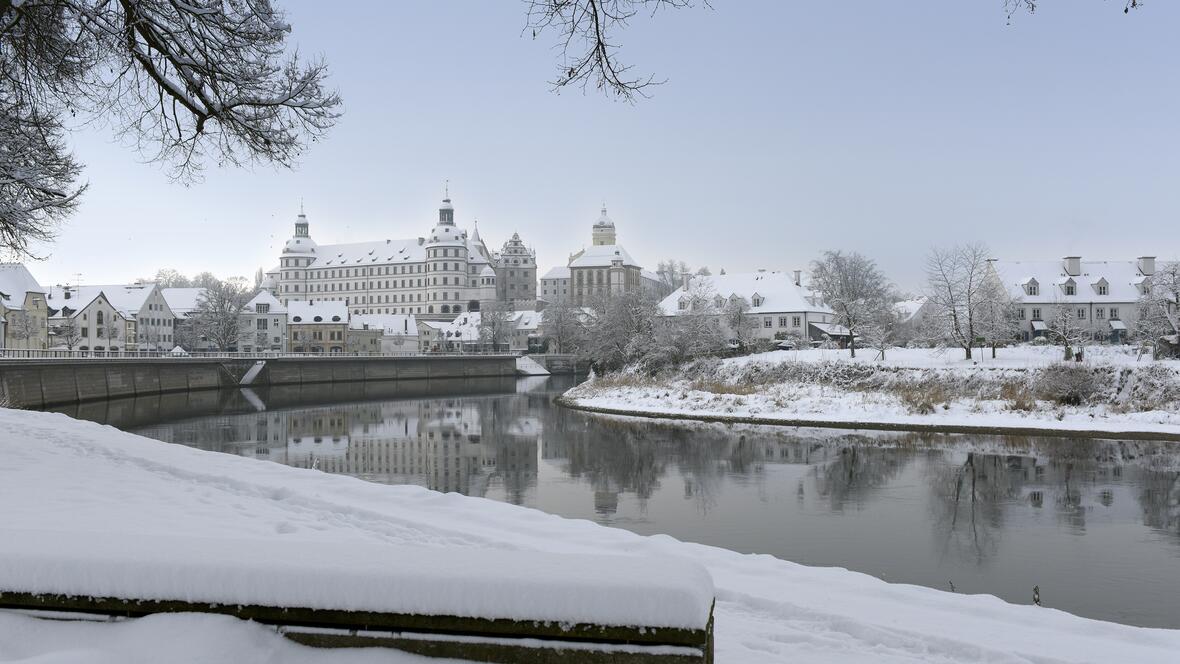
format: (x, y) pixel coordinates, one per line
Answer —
(780, 306)
(262, 324)
(384, 334)
(150, 321)
(24, 312)
(1102, 296)
(317, 327)
(555, 284)
(465, 333)
(912, 315)
(83, 318)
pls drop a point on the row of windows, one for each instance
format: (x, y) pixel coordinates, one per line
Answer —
(1100, 313)
(1070, 289)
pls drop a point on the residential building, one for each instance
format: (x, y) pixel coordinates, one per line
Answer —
(465, 333)
(780, 306)
(24, 313)
(436, 276)
(384, 334)
(1103, 296)
(262, 325)
(184, 302)
(150, 322)
(555, 284)
(82, 318)
(317, 327)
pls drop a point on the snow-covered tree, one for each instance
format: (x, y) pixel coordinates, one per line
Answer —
(998, 315)
(619, 329)
(112, 331)
(170, 278)
(1159, 307)
(216, 317)
(882, 329)
(957, 285)
(852, 286)
(736, 316)
(66, 332)
(692, 332)
(184, 81)
(562, 324)
(1065, 331)
(495, 324)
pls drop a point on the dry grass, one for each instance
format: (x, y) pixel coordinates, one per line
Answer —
(721, 387)
(922, 399)
(1019, 397)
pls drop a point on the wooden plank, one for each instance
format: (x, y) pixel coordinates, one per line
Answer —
(371, 620)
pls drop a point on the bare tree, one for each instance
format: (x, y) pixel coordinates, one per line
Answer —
(957, 287)
(671, 273)
(1065, 330)
(495, 324)
(1012, 7)
(170, 278)
(998, 316)
(737, 319)
(619, 329)
(585, 30)
(216, 317)
(882, 328)
(112, 330)
(23, 326)
(852, 286)
(562, 322)
(183, 80)
(66, 332)
(1159, 307)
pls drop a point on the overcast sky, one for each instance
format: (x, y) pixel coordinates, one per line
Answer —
(785, 128)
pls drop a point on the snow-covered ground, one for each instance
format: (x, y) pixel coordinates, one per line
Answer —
(746, 388)
(64, 477)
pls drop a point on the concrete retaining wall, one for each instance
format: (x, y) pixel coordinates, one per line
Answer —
(41, 383)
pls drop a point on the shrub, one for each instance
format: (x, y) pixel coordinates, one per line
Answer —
(922, 398)
(1067, 384)
(1018, 396)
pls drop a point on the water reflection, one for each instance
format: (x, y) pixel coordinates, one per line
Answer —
(1094, 523)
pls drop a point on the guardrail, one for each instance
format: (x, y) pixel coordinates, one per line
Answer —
(24, 354)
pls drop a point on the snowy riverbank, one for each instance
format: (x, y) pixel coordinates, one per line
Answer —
(1024, 390)
(59, 475)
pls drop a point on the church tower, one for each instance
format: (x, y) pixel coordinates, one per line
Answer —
(604, 230)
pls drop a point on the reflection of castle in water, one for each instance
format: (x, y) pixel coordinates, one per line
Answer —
(437, 443)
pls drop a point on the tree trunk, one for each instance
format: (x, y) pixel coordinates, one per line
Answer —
(967, 351)
(852, 343)
(993, 351)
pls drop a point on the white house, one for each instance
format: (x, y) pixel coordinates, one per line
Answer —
(184, 302)
(262, 325)
(780, 305)
(1103, 295)
(82, 318)
(23, 310)
(464, 333)
(151, 321)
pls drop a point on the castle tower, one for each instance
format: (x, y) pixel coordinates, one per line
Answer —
(446, 266)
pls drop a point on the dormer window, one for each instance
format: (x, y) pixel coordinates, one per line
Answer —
(1032, 288)
(683, 304)
(1102, 289)
(757, 300)
(1070, 289)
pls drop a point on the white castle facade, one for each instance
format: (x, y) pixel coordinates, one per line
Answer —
(445, 273)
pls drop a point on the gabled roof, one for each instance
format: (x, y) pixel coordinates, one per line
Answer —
(79, 297)
(182, 301)
(559, 272)
(264, 297)
(329, 312)
(127, 299)
(907, 309)
(15, 282)
(602, 255)
(777, 289)
(466, 326)
(361, 254)
(1122, 279)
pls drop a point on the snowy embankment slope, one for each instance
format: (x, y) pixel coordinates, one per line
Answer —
(914, 388)
(59, 475)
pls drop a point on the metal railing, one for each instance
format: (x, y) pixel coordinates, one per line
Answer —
(57, 354)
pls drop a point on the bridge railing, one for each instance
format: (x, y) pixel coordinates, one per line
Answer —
(61, 354)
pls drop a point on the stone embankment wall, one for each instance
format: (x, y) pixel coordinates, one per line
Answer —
(41, 383)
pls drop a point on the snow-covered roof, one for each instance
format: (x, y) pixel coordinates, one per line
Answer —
(264, 297)
(379, 252)
(182, 301)
(560, 272)
(602, 255)
(831, 329)
(127, 299)
(907, 309)
(652, 276)
(73, 298)
(391, 325)
(15, 282)
(1122, 279)
(776, 290)
(466, 326)
(326, 312)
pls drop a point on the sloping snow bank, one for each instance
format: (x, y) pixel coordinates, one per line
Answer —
(361, 576)
(59, 474)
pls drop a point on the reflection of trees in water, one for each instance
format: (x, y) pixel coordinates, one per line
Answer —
(1160, 501)
(855, 472)
(970, 499)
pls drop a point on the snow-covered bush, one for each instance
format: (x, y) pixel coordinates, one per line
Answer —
(1068, 384)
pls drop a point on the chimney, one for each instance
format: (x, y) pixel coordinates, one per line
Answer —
(684, 279)
(65, 293)
(1147, 265)
(1073, 265)
(798, 275)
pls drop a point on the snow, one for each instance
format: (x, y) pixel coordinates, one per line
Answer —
(182, 301)
(792, 402)
(15, 282)
(602, 255)
(777, 293)
(59, 475)
(527, 366)
(264, 297)
(327, 312)
(1121, 279)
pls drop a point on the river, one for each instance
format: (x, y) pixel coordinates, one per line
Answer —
(1095, 524)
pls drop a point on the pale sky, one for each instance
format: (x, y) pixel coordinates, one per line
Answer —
(785, 128)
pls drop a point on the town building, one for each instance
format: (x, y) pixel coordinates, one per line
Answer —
(150, 321)
(600, 270)
(465, 333)
(383, 334)
(82, 318)
(780, 306)
(1103, 295)
(24, 314)
(262, 325)
(184, 303)
(317, 327)
(444, 273)
(555, 284)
